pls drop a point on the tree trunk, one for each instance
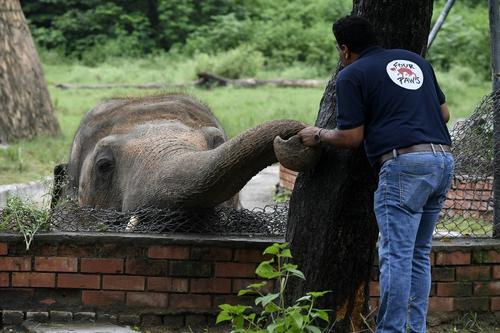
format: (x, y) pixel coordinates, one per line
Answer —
(331, 225)
(25, 107)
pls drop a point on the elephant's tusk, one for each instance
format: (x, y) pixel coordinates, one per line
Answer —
(132, 223)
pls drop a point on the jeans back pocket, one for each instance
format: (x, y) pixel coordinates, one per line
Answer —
(414, 191)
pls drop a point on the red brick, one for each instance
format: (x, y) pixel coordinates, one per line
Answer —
(250, 255)
(443, 274)
(373, 304)
(3, 249)
(496, 272)
(83, 281)
(239, 284)
(454, 289)
(432, 258)
(125, 282)
(4, 279)
(211, 286)
(495, 304)
(212, 253)
(38, 280)
(15, 264)
(453, 258)
(440, 304)
(230, 269)
(374, 289)
(100, 297)
(153, 300)
(167, 284)
(433, 291)
(190, 269)
(101, 265)
(76, 250)
(487, 288)
(47, 250)
(149, 267)
(471, 304)
(473, 273)
(56, 264)
(487, 257)
(184, 301)
(168, 252)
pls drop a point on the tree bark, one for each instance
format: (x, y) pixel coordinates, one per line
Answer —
(25, 107)
(331, 225)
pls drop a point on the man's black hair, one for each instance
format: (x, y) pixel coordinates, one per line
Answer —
(355, 32)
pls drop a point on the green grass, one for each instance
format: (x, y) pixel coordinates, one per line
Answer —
(237, 108)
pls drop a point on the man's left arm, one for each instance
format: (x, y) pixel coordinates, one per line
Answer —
(349, 138)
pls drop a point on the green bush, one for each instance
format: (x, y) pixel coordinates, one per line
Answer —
(463, 40)
(285, 32)
(239, 62)
(24, 217)
(271, 314)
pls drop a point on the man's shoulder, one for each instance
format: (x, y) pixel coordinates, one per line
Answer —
(349, 73)
(405, 54)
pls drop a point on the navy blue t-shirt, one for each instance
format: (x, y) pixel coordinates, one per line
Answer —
(395, 95)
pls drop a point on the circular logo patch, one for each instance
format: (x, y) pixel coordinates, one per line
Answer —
(405, 74)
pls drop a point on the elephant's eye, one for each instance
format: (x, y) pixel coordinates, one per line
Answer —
(105, 166)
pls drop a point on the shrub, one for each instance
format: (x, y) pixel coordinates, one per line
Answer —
(236, 63)
(272, 314)
(24, 217)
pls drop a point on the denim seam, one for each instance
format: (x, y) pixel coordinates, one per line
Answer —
(386, 225)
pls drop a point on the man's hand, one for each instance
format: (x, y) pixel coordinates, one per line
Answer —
(307, 136)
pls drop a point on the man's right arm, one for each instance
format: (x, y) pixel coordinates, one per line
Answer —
(445, 112)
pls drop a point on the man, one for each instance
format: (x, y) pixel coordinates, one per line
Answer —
(390, 99)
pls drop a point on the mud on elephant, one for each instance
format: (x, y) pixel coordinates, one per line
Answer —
(165, 151)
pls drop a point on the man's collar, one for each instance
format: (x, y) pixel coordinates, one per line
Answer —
(370, 50)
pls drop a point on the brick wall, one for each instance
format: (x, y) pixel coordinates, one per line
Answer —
(130, 278)
(180, 279)
(465, 277)
(467, 198)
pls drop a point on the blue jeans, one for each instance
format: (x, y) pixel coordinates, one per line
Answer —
(410, 194)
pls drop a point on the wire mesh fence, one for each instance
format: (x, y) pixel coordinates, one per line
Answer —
(468, 209)
(270, 220)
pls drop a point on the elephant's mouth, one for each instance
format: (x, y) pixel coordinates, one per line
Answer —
(293, 155)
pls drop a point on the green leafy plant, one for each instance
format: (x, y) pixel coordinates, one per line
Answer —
(271, 313)
(23, 216)
(282, 195)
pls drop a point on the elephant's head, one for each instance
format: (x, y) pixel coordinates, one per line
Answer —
(165, 151)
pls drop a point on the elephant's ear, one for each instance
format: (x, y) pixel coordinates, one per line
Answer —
(214, 136)
(59, 183)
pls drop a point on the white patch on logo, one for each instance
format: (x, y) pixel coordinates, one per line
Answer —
(405, 74)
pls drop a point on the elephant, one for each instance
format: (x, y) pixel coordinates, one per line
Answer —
(167, 151)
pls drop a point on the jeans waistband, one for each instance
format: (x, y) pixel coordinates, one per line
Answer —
(425, 147)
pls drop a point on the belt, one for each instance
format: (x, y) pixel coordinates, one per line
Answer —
(430, 147)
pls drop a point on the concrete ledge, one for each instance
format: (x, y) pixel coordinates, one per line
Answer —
(240, 240)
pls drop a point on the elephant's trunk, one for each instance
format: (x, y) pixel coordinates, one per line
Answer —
(223, 171)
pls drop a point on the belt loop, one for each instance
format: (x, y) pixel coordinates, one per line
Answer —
(433, 149)
(442, 149)
(394, 153)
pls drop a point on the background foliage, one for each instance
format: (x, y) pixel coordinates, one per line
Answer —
(275, 34)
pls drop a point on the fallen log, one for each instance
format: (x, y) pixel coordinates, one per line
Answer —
(124, 85)
(205, 80)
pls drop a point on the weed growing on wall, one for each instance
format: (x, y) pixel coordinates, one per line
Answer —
(271, 313)
(24, 217)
